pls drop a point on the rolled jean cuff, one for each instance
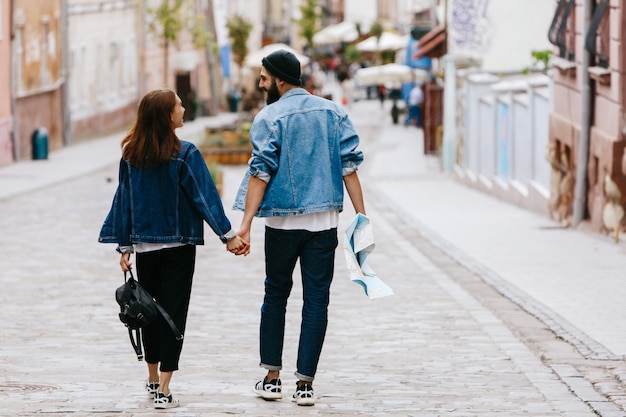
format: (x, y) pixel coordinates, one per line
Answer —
(270, 367)
(304, 378)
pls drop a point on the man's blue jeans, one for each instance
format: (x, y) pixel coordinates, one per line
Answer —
(316, 251)
(415, 113)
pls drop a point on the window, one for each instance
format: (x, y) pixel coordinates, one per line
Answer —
(598, 37)
(562, 32)
(597, 43)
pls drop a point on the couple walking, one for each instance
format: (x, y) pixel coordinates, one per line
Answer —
(304, 152)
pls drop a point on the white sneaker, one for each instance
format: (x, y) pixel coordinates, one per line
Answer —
(269, 390)
(152, 388)
(162, 401)
(304, 395)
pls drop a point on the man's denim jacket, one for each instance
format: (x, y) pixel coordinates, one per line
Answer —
(165, 204)
(303, 145)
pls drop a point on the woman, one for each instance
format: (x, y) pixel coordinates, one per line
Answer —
(165, 193)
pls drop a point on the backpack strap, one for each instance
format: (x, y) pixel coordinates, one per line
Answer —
(136, 342)
(168, 320)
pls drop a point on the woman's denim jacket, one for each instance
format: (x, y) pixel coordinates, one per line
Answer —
(165, 204)
(303, 145)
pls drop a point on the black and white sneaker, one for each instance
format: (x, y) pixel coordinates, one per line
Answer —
(162, 401)
(304, 394)
(269, 390)
(152, 388)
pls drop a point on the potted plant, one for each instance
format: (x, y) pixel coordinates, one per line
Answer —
(226, 146)
(217, 173)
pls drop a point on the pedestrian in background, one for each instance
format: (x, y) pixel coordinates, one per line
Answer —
(382, 91)
(305, 150)
(416, 98)
(165, 192)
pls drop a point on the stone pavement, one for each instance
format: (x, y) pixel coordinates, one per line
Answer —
(84, 158)
(496, 312)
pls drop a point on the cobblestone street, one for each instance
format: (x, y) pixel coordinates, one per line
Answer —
(446, 344)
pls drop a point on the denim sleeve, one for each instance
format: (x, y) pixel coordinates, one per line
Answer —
(265, 149)
(117, 225)
(199, 187)
(351, 157)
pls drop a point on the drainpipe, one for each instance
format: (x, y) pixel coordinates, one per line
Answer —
(448, 150)
(14, 84)
(448, 146)
(585, 122)
(65, 74)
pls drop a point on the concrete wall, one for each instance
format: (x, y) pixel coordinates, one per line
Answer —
(505, 134)
(502, 33)
(103, 65)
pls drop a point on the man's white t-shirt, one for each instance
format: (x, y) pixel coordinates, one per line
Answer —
(313, 222)
(416, 97)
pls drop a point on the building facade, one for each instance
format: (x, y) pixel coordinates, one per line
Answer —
(495, 127)
(37, 73)
(103, 65)
(6, 115)
(183, 65)
(589, 103)
(500, 33)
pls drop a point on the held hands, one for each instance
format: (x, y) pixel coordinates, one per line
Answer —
(238, 246)
(244, 233)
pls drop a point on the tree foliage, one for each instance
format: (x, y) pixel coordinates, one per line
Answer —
(542, 57)
(169, 19)
(377, 29)
(239, 29)
(308, 21)
(352, 54)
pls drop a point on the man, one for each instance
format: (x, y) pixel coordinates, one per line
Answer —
(304, 153)
(416, 98)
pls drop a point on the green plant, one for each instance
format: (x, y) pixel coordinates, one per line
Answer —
(308, 21)
(239, 30)
(168, 20)
(216, 171)
(543, 57)
(377, 30)
(352, 54)
(387, 56)
(212, 139)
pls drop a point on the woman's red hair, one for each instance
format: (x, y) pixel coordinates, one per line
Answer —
(151, 140)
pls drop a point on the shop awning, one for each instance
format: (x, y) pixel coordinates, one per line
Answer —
(432, 44)
(341, 32)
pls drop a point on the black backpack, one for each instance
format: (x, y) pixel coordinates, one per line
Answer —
(138, 309)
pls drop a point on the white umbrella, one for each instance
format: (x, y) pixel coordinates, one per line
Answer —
(388, 41)
(253, 59)
(394, 73)
(341, 32)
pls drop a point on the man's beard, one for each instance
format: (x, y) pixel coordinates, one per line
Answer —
(272, 94)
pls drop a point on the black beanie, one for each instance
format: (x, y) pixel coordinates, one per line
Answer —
(284, 65)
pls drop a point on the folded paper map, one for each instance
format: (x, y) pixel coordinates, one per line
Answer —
(357, 245)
